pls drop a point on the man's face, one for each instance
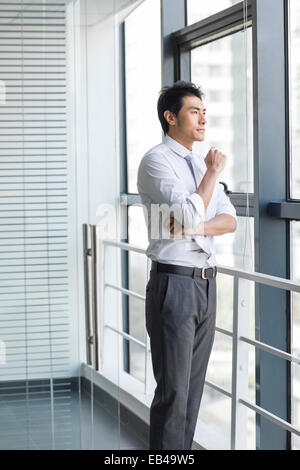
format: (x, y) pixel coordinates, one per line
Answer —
(189, 124)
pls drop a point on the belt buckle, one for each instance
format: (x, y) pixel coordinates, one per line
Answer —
(203, 271)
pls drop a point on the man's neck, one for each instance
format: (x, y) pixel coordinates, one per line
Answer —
(181, 141)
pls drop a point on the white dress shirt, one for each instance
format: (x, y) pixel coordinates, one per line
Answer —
(165, 180)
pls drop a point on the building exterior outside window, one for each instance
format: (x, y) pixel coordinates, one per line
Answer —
(143, 131)
(294, 19)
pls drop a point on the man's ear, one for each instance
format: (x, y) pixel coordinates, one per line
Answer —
(170, 117)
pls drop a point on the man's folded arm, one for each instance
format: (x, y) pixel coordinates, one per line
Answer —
(224, 205)
(158, 181)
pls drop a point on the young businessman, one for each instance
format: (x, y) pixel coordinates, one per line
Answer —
(181, 292)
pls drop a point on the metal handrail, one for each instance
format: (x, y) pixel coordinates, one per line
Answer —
(238, 338)
(271, 350)
(266, 279)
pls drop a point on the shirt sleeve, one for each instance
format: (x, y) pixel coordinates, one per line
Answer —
(224, 206)
(158, 181)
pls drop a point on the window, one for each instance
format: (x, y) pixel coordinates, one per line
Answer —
(143, 82)
(295, 274)
(143, 131)
(217, 55)
(294, 45)
(137, 268)
(222, 70)
(237, 249)
(295, 97)
(224, 73)
(222, 67)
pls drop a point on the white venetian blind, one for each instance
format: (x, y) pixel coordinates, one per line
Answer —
(34, 279)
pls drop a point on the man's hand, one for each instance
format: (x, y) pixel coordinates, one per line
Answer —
(215, 160)
(177, 229)
(218, 225)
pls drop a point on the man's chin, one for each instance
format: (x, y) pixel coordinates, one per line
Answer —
(200, 138)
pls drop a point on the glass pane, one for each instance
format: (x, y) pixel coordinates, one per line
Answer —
(137, 227)
(251, 375)
(219, 369)
(223, 69)
(295, 299)
(224, 301)
(137, 281)
(237, 249)
(214, 420)
(295, 96)
(197, 10)
(143, 82)
(251, 430)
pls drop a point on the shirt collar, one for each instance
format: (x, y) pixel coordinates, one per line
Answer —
(177, 147)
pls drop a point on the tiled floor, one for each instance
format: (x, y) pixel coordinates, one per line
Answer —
(64, 419)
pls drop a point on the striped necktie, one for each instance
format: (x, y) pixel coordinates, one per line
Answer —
(188, 159)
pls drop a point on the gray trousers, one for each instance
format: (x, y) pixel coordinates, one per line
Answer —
(180, 321)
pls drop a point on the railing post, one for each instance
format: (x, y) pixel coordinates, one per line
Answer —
(240, 359)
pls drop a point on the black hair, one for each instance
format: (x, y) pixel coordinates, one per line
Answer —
(171, 98)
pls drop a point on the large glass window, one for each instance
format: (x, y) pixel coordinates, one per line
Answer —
(295, 96)
(143, 131)
(295, 301)
(237, 249)
(143, 82)
(137, 268)
(223, 69)
(295, 194)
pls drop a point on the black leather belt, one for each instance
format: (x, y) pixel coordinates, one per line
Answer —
(204, 273)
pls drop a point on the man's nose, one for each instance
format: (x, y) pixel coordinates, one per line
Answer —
(202, 119)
